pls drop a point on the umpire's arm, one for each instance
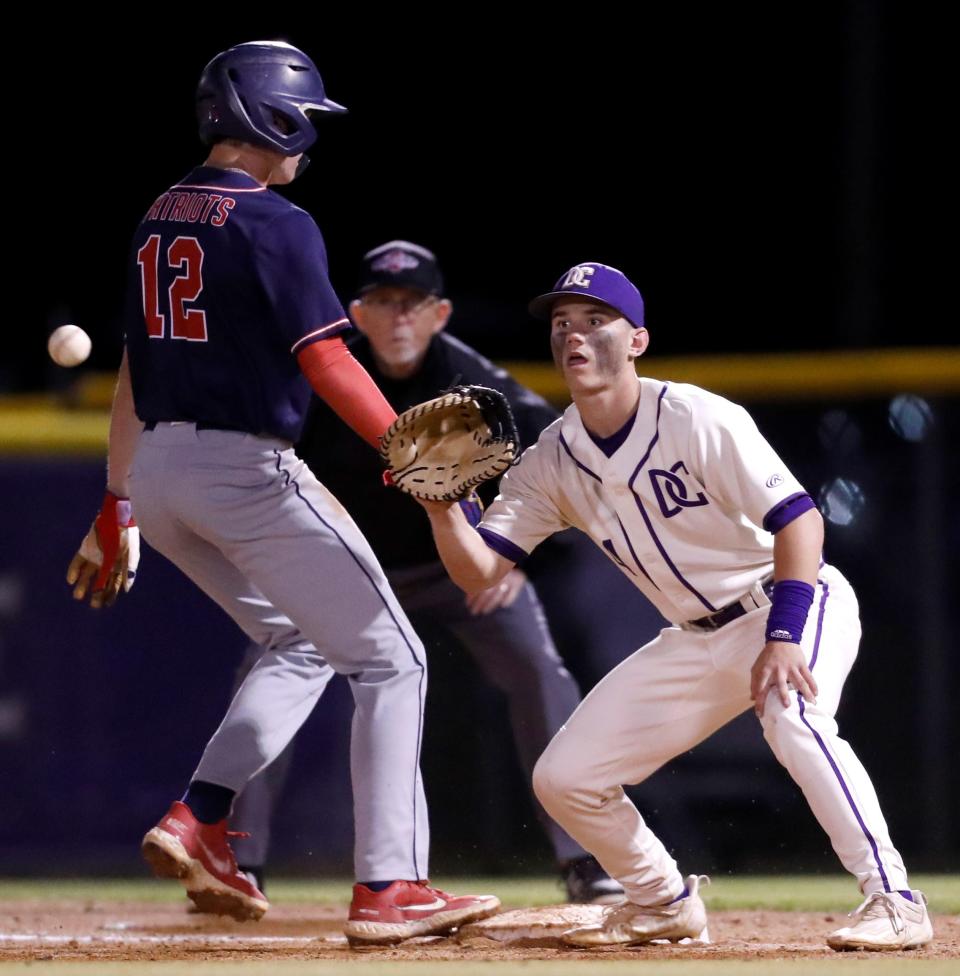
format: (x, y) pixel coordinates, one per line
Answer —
(468, 561)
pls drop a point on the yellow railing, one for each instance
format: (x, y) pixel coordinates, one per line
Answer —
(75, 422)
(786, 376)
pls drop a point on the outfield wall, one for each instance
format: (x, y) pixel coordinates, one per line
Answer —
(102, 715)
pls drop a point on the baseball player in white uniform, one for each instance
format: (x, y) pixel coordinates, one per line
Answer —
(684, 494)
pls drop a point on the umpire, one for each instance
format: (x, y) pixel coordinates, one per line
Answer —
(400, 313)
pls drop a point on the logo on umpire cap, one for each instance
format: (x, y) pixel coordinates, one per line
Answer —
(578, 277)
(395, 261)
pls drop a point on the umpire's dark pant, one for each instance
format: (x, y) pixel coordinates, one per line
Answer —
(512, 648)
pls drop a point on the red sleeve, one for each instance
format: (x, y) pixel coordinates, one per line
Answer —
(342, 382)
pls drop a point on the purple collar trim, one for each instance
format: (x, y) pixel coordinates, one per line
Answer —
(610, 445)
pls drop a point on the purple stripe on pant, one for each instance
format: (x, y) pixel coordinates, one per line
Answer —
(823, 748)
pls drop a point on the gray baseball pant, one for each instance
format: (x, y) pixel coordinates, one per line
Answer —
(247, 521)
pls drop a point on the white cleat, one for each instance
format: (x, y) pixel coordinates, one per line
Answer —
(632, 924)
(886, 922)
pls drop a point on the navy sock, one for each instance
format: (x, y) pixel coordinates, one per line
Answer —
(376, 885)
(906, 894)
(208, 802)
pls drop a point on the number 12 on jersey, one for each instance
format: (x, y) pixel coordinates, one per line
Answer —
(185, 257)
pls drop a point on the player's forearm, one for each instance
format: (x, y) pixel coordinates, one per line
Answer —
(469, 562)
(125, 428)
(337, 378)
(797, 548)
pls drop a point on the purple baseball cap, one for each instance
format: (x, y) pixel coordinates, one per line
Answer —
(598, 281)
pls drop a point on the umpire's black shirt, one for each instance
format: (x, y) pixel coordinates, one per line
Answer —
(395, 525)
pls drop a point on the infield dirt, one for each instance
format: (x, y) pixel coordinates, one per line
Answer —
(139, 931)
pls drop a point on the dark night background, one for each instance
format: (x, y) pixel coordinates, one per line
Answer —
(770, 176)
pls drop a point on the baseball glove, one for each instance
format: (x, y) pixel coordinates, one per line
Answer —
(441, 449)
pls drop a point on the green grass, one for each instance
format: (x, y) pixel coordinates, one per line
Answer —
(787, 893)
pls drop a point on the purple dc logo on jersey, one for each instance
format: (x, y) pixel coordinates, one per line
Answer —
(395, 261)
(671, 484)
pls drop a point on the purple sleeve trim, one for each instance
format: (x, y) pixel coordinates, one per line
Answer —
(783, 513)
(501, 546)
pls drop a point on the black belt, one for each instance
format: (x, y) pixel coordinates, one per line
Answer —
(152, 425)
(714, 621)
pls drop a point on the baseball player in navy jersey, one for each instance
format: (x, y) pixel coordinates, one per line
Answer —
(230, 321)
(683, 493)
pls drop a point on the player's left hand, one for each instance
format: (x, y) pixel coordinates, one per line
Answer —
(441, 449)
(108, 556)
(780, 666)
(502, 595)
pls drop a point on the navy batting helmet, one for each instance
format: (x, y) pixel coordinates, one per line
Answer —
(262, 92)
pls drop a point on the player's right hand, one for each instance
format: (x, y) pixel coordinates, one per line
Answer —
(504, 594)
(108, 555)
(781, 668)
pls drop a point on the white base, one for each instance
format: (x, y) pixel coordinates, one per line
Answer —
(544, 925)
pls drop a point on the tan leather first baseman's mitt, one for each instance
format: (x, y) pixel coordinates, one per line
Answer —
(441, 449)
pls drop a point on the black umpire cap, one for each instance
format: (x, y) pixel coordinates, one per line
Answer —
(400, 264)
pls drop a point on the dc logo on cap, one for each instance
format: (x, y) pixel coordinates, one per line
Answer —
(395, 261)
(578, 277)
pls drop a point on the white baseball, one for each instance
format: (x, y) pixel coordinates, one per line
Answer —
(69, 345)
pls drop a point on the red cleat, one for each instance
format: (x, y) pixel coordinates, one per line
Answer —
(410, 908)
(200, 856)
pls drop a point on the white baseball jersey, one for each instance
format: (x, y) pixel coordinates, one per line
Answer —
(681, 507)
(687, 505)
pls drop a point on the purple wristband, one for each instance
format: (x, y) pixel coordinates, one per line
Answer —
(789, 607)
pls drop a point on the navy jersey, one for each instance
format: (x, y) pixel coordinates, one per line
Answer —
(227, 281)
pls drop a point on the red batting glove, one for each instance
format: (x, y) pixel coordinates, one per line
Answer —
(108, 555)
